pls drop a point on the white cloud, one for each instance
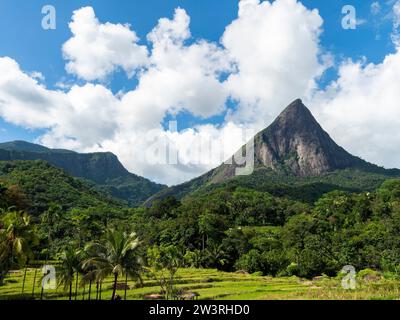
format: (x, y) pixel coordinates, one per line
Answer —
(271, 54)
(276, 49)
(23, 100)
(96, 49)
(361, 112)
(88, 118)
(37, 75)
(178, 73)
(174, 31)
(84, 115)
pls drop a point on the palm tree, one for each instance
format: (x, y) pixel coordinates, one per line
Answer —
(88, 274)
(89, 277)
(17, 237)
(113, 257)
(215, 255)
(69, 266)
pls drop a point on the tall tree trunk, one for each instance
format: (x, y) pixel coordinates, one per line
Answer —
(101, 286)
(2, 275)
(115, 286)
(23, 281)
(76, 285)
(90, 289)
(70, 290)
(97, 290)
(34, 283)
(41, 291)
(126, 284)
(84, 292)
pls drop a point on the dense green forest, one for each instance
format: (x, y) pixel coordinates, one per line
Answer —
(46, 214)
(243, 229)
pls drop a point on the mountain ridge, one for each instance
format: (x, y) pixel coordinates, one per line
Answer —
(102, 168)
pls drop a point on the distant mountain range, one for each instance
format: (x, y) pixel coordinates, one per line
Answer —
(293, 157)
(102, 169)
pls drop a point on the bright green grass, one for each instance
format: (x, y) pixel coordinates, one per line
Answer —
(212, 284)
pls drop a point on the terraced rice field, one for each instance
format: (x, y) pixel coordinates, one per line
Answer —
(209, 285)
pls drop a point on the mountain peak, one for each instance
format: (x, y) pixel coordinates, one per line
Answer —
(295, 142)
(296, 116)
(295, 106)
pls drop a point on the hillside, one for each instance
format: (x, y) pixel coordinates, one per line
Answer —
(104, 169)
(293, 157)
(44, 185)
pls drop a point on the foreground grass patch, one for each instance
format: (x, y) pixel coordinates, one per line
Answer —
(210, 285)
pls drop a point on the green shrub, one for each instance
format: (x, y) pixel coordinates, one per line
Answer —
(362, 274)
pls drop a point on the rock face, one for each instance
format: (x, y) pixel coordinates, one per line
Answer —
(296, 143)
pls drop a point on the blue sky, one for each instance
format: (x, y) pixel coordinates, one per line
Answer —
(329, 67)
(37, 50)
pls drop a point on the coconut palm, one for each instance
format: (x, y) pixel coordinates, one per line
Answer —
(17, 237)
(89, 277)
(215, 255)
(70, 262)
(114, 256)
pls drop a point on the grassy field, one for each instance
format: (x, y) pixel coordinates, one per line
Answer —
(213, 284)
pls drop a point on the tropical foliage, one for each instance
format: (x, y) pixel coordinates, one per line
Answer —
(47, 215)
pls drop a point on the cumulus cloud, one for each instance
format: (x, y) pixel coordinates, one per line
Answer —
(23, 100)
(84, 115)
(88, 117)
(277, 54)
(96, 49)
(268, 56)
(253, 64)
(177, 77)
(361, 108)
